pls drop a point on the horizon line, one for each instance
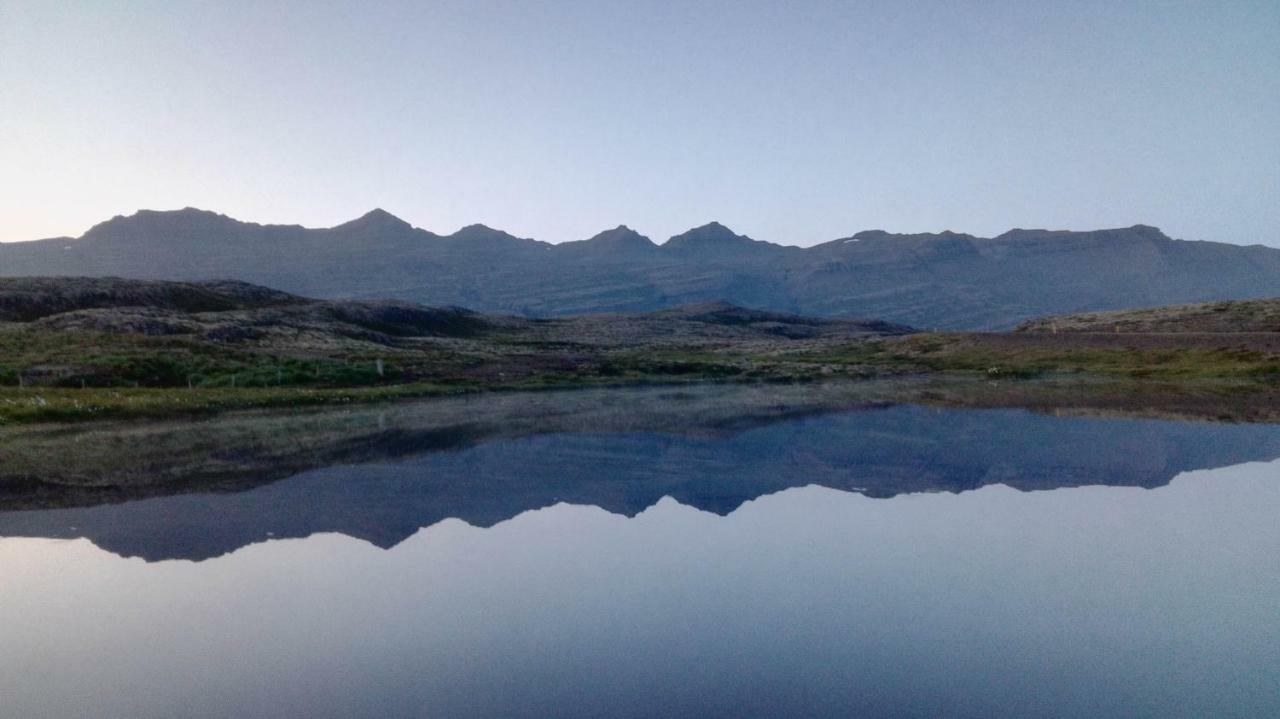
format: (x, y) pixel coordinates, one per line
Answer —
(392, 216)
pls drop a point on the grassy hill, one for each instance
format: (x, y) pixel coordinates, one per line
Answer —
(231, 343)
(76, 348)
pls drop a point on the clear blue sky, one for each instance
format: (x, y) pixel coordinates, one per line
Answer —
(795, 122)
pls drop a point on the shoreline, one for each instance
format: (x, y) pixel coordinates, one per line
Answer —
(72, 406)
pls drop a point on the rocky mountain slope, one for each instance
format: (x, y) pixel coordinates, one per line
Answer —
(946, 280)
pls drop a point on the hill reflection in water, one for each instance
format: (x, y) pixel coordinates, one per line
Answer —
(483, 474)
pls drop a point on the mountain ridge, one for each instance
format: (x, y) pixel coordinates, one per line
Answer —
(713, 232)
(947, 279)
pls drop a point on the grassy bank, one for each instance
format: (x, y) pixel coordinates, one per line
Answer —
(1159, 357)
(62, 404)
(1222, 373)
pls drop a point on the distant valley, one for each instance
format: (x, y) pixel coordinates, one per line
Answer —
(931, 281)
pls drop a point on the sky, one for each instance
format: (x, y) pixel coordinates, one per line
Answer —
(793, 122)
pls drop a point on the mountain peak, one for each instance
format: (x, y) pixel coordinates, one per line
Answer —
(715, 241)
(1149, 231)
(1138, 232)
(482, 238)
(870, 235)
(378, 213)
(621, 235)
(187, 211)
(881, 235)
(713, 229)
(146, 226)
(185, 214)
(377, 218)
(620, 242)
(712, 233)
(479, 231)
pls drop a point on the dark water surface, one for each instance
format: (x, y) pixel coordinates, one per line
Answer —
(895, 561)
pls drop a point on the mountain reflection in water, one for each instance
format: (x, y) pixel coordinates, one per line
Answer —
(1086, 602)
(483, 476)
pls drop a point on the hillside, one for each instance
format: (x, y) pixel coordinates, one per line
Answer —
(112, 332)
(1212, 317)
(946, 280)
(26, 299)
(81, 348)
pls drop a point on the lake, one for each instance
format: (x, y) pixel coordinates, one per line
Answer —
(796, 556)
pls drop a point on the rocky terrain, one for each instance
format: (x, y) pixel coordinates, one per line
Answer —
(90, 348)
(946, 280)
(111, 332)
(222, 311)
(1258, 316)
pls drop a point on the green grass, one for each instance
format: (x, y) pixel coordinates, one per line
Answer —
(1167, 365)
(958, 354)
(673, 363)
(87, 359)
(73, 376)
(60, 404)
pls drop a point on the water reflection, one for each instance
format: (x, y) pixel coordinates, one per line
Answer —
(1097, 601)
(486, 477)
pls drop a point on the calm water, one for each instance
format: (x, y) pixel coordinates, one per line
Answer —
(891, 562)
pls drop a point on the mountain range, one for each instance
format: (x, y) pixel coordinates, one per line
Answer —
(945, 280)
